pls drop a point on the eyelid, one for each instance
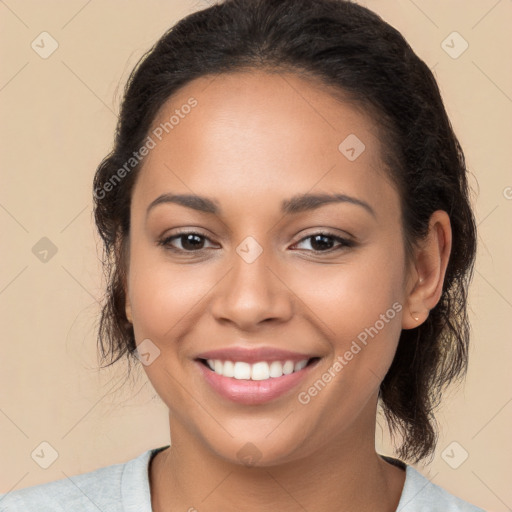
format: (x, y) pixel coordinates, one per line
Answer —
(165, 240)
(335, 233)
(342, 241)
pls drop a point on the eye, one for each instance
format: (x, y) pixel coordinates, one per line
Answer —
(190, 241)
(323, 242)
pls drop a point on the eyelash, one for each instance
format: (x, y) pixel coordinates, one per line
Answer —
(343, 242)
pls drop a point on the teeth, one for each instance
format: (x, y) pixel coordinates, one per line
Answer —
(242, 370)
(288, 367)
(257, 371)
(218, 367)
(276, 369)
(260, 371)
(300, 365)
(228, 369)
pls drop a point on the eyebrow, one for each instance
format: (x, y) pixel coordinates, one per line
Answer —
(294, 205)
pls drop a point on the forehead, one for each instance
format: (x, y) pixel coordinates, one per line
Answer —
(258, 134)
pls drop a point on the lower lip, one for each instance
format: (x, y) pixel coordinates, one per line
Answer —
(251, 392)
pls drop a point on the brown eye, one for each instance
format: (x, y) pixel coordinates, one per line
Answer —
(324, 242)
(189, 241)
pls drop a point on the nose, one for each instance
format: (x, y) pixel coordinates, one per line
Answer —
(251, 294)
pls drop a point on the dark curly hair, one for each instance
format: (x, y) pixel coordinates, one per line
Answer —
(355, 53)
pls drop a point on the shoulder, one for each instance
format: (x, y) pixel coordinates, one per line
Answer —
(105, 488)
(99, 489)
(421, 495)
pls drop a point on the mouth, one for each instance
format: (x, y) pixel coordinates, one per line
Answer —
(259, 371)
(255, 382)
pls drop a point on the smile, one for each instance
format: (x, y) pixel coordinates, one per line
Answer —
(256, 376)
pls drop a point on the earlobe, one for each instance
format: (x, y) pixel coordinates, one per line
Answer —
(430, 263)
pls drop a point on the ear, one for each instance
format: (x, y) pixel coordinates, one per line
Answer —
(425, 284)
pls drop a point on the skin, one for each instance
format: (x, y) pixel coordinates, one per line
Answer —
(253, 140)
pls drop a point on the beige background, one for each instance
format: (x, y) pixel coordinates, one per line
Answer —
(58, 117)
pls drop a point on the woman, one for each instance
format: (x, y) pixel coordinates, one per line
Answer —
(289, 242)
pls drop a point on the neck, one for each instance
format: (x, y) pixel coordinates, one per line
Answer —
(347, 472)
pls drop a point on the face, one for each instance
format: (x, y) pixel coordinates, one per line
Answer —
(258, 281)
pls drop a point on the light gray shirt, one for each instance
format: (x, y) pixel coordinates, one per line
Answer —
(125, 488)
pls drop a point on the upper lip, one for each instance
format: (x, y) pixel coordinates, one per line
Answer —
(254, 355)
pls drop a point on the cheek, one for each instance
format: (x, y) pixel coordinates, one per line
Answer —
(163, 294)
(358, 307)
(349, 297)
